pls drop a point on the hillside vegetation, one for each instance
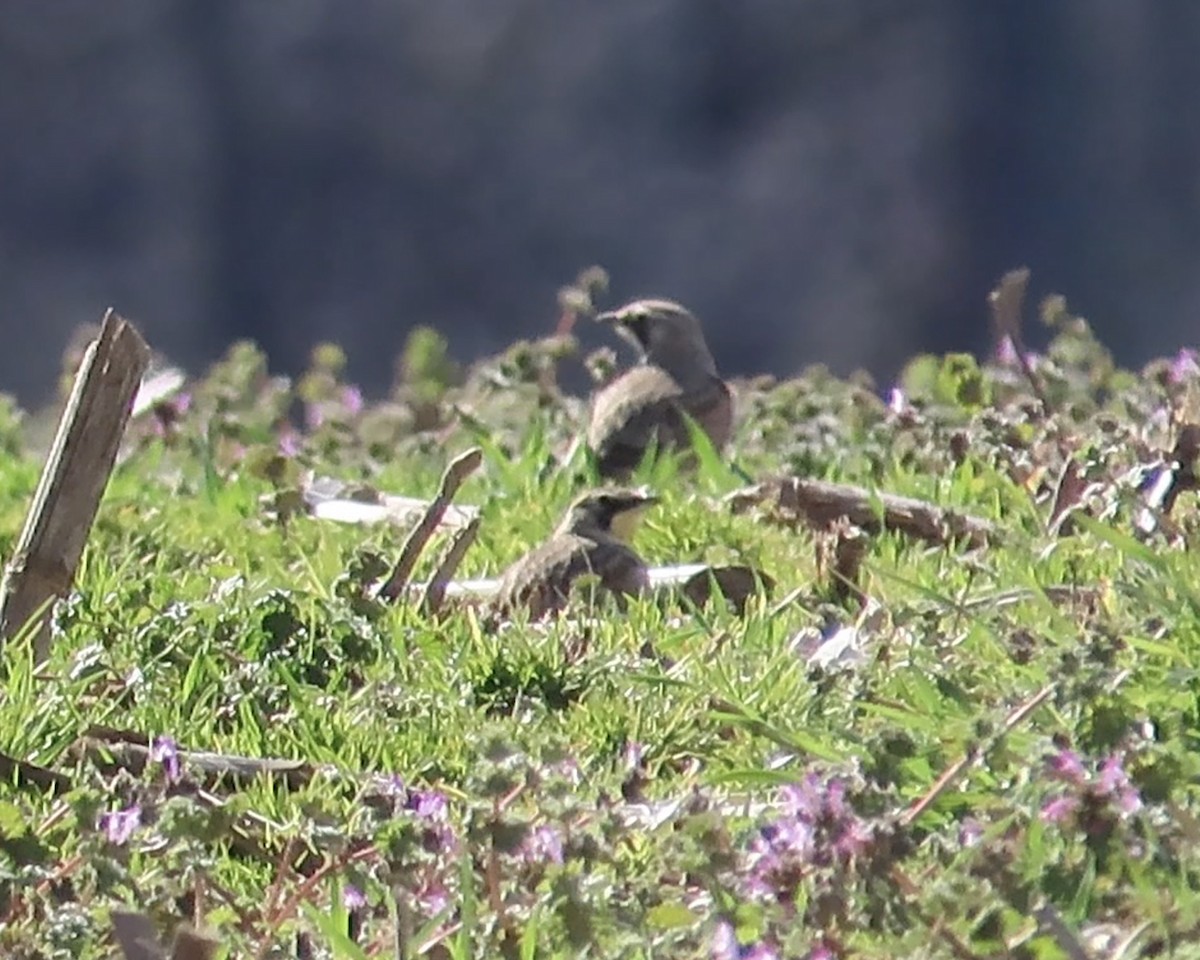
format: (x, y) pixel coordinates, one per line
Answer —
(903, 748)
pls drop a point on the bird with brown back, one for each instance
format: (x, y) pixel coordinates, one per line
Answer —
(592, 540)
(646, 405)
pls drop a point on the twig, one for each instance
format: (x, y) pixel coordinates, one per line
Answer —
(953, 771)
(1006, 302)
(25, 774)
(822, 504)
(282, 914)
(42, 568)
(105, 754)
(435, 589)
(459, 469)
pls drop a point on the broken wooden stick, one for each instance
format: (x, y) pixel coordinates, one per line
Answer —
(435, 589)
(459, 469)
(107, 755)
(21, 773)
(42, 568)
(821, 503)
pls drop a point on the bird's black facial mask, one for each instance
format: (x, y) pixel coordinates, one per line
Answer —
(639, 328)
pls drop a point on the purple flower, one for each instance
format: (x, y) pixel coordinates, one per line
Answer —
(821, 952)
(119, 825)
(817, 830)
(164, 750)
(1106, 793)
(725, 946)
(724, 943)
(1185, 366)
(970, 832)
(855, 838)
(393, 786)
(353, 898)
(433, 898)
(1066, 766)
(429, 805)
(897, 401)
(803, 799)
(1114, 784)
(542, 844)
(289, 441)
(352, 400)
(1060, 809)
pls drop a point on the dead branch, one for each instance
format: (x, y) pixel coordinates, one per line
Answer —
(108, 755)
(435, 589)
(25, 774)
(42, 567)
(821, 503)
(459, 469)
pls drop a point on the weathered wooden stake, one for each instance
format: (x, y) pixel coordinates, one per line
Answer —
(43, 566)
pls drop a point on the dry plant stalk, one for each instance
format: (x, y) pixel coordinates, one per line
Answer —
(839, 559)
(821, 504)
(456, 473)
(435, 589)
(42, 567)
(1006, 302)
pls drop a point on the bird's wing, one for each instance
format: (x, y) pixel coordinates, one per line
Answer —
(635, 409)
(541, 581)
(644, 405)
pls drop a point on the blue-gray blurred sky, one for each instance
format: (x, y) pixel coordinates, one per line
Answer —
(821, 180)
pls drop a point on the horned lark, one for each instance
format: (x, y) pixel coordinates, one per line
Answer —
(645, 405)
(592, 539)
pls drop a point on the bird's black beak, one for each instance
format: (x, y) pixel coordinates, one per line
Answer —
(632, 325)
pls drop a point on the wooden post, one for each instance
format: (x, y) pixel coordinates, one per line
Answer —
(43, 566)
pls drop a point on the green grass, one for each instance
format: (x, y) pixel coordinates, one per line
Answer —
(624, 785)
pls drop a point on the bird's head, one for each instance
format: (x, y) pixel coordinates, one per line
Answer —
(614, 511)
(666, 334)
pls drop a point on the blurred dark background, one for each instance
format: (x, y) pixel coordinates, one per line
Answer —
(820, 180)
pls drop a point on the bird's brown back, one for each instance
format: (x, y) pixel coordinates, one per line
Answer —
(541, 581)
(643, 406)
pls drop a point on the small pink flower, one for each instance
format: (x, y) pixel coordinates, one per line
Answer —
(120, 825)
(1060, 809)
(1114, 783)
(352, 400)
(164, 750)
(1185, 366)
(289, 442)
(724, 942)
(1066, 766)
